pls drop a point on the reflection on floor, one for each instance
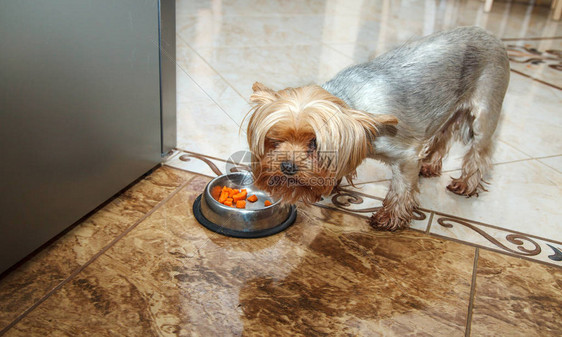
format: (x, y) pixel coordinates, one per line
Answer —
(142, 265)
(156, 271)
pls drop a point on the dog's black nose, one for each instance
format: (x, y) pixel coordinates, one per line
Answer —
(289, 168)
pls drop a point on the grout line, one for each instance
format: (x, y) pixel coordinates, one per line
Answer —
(536, 79)
(513, 147)
(472, 292)
(531, 158)
(495, 250)
(428, 229)
(199, 86)
(545, 164)
(92, 259)
(550, 156)
(212, 68)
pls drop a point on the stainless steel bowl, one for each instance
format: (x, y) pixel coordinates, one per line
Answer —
(256, 220)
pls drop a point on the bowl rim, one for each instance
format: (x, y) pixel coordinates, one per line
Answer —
(222, 206)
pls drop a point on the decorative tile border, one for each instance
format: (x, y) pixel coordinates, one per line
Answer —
(527, 54)
(497, 239)
(526, 59)
(351, 200)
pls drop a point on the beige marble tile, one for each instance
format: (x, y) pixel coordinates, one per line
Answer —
(371, 171)
(530, 121)
(276, 67)
(243, 31)
(375, 171)
(514, 297)
(206, 127)
(503, 153)
(197, 79)
(523, 196)
(186, 8)
(210, 113)
(24, 286)
(329, 273)
(553, 162)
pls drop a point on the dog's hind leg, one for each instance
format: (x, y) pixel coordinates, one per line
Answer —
(431, 164)
(477, 130)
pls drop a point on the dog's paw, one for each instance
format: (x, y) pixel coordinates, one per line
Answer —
(430, 170)
(382, 220)
(460, 187)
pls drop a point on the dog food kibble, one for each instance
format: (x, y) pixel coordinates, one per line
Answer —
(223, 196)
(237, 198)
(240, 196)
(232, 192)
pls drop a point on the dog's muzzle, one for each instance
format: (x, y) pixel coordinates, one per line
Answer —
(289, 168)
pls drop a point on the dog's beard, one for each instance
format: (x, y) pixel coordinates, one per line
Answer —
(307, 185)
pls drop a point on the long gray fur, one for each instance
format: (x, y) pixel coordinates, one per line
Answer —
(425, 82)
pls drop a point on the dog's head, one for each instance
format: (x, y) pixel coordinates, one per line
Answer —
(304, 140)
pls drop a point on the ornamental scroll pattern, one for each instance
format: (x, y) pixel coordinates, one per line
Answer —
(527, 54)
(516, 239)
(515, 243)
(343, 199)
(348, 200)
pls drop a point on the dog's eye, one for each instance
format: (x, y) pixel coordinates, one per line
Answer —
(273, 142)
(312, 145)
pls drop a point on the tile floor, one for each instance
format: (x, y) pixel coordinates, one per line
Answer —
(224, 46)
(142, 265)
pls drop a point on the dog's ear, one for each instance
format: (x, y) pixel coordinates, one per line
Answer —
(262, 94)
(385, 119)
(373, 122)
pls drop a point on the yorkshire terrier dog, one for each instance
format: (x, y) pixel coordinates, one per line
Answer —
(402, 108)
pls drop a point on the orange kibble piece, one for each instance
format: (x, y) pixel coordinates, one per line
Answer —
(252, 198)
(267, 203)
(228, 202)
(240, 196)
(223, 196)
(241, 204)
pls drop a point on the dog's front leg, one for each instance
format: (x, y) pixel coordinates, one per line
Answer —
(399, 204)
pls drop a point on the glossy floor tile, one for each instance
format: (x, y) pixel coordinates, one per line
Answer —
(225, 46)
(23, 287)
(516, 298)
(171, 275)
(327, 274)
